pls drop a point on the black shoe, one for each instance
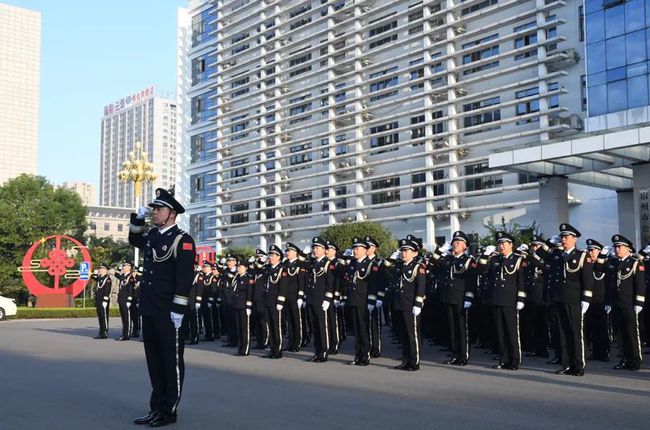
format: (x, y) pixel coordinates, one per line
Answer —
(146, 419)
(363, 363)
(314, 358)
(578, 372)
(260, 347)
(564, 371)
(163, 419)
(501, 366)
(634, 367)
(276, 356)
(461, 363)
(413, 368)
(451, 361)
(101, 336)
(621, 365)
(194, 342)
(401, 366)
(241, 354)
(531, 354)
(135, 335)
(354, 362)
(512, 366)
(321, 359)
(375, 355)
(554, 360)
(122, 338)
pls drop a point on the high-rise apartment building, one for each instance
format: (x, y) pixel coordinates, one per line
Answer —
(20, 61)
(87, 192)
(302, 114)
(139, 118)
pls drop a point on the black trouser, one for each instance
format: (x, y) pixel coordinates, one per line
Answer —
(163, 347)
(274, 317)
(191, 322)
(125, 315)
(506, 319)
(261, 325)
(333, 323)
(375, 331)
(224, 313)
(306, 318)
(243, 323)
(554, 330)
(597, 330)
(360, 330)
(486, 325)
(103, 314)
(409, 333)
(321, 329)
(629, 341)
(216, 319)
(340, 315)
(233, 326)
(206, 315)
(458, 332)
(570, 327)
(537, 328)
(294, 319)
(135, 318)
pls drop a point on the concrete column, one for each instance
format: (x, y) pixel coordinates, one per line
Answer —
(641, 196)
(625, 203)
(554, 203)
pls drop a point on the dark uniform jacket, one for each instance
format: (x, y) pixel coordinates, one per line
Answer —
(196, 292)
(275, 285)
(409, 285)
(357, 280)
(535, 280)
(242, 292)
(294, 275)
(626, 282)
(103, 286)
(570, 275)
(258, 290)
(321, 281)
(126, 285)
(506, 281)
(456, 278)
(168, 268)
(227, 285)
(379, 279)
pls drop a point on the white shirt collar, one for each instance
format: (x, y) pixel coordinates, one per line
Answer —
(164, 230)
(362, 258)
(569, 251)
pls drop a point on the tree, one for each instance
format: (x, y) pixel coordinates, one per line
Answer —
(241, 252)
(32, 209)
(109, 251)
(342, 235)
(521, 234)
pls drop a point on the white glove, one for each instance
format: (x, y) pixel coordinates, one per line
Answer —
(489, 250)
(608, 308)
(263, 258)
(395, 255)
(249, 312)
(605, 250)
(416, 310)
(279, 307)
(445, 247)
(222, 261)
(306, 250)
(371, 308)
(379, 303)
(177, 319)
(555, 240)
(128, 305)
(197, 306)
(520, 305)
(300, 301)
(104, 304)
(251, 260)
(326, 305)
(584, 306)
(348, 253)
(337, 303)
(142, 212)
(467, 305)
(522, 248)
(638, 309)
(209, 305)
(646, 250)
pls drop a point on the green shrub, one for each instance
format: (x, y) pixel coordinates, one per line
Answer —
(35, 313)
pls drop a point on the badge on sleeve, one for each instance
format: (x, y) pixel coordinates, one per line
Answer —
(187, 247)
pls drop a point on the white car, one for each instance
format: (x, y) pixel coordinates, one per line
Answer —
(7, 307)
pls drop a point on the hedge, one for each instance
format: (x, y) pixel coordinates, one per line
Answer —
(34, 313)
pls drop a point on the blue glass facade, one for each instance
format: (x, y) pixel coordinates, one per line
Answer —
(618, 42)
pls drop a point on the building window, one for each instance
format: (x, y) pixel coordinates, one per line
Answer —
(418, 131)
(526, 40)
(384, 140)
(479, 55)
(303, 157)
(107, 226)
(419, 192)
(300, 209)
(484, 117)
(386, 196)
(481, 183)
(438, 189)
(528, 106)
(238, 218)
(583, 93)
(477, 6)
(204, 26)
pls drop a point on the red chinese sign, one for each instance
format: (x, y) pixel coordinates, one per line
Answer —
(64, 255)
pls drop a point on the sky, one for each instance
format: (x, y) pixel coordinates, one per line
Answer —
(94, 52)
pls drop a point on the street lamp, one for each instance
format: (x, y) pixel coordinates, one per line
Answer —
(139, 170)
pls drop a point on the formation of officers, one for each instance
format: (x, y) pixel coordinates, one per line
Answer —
(541, 297)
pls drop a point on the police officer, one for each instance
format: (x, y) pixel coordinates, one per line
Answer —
(207, 301)
(126, 284)
(227, 279)
(261, 323)
(410, 280)
(319, 295)
(456, 284)
(215, 295)
(596, 318)
(274, 299)
(169, 255)
(376, 291)
(135, 304)
(242, 307)
(536, 311)
(626, 298)
(571, 279)
(294, 275)
(102, 299)
(506, 291)
(357, 281)
(195, 299)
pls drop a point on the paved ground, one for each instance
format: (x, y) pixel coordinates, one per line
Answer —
(53, 375)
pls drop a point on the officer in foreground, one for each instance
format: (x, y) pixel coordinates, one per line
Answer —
(169, 255)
